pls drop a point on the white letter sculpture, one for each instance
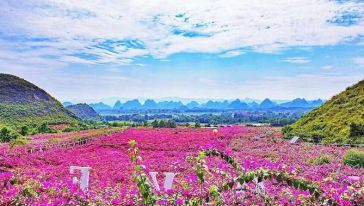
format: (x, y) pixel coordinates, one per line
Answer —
(84, 180)
(260, 188)
(167, 182)
(293, 140)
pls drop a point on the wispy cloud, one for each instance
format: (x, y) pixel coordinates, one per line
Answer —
(311, 86)
(232, 53)
(296, 60)
(119, 31)
(327, 67)
(359, 61)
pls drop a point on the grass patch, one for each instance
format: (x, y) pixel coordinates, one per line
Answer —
(321, 160)
(19, 142)
(354, 158)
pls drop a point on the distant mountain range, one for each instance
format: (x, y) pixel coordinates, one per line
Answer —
(236, 104)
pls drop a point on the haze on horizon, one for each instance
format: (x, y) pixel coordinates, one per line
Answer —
(90, 50)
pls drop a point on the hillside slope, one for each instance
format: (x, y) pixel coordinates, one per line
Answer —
(339, 120)
(23, 103)
(84, 112)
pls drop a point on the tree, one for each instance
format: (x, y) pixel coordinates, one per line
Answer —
(155, 124)
(197, 125)
(162, 124)
(115, 124)
(43, 128)
(145, 123)
(6, 135)
(170, 124)
(24, 130)
(356, 131)
(173, 124)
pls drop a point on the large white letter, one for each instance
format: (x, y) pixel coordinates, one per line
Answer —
(168, 182)
(84, 180)
(259, 186)
(154, 179)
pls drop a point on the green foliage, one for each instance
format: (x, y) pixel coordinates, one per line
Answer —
(164, 124)
(23, 103)
(6, 134)
(155, 124)
(84, 112)
(24, 130)
(123, 124)
(340, 120)
(263, 174)
(145, 191)
(321, 160)
(286, 131)
(43, 128)
(85, 125)
(213, 196)
(71, 129)
(145, 123)
(19, 141)
(197, 125)
(356, 131)
(54, 140)
(18, 115)
(354, 158)
(282, 121)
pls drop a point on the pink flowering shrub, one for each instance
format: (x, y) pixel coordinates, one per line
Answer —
(286, 170)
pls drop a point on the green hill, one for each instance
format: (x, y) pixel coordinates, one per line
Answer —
(23, 103)
(339, 120)
(84, 112)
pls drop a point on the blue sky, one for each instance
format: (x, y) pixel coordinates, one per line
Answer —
(90, 50)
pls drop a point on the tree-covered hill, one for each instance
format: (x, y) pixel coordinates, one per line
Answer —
(84, 112)
(23, 103)
(339, 120)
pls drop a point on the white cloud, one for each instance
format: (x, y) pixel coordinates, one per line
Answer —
(296, 60)
(232, 53)
(166, 27)
(311, 86)
(359, 61)
(327, 67)
(73, 59)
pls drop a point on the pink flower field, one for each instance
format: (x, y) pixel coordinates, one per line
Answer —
(43, 178)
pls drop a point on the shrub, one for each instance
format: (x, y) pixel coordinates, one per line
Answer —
(317, 137)
(6, 135)
(71, 129)
(197, 125)
(164, 124)
(356, 132)
(43, 128)
(155, 124)
(354, 158)
(286, 131)
(24, 130)
(321, 160)
(53, 140)
(18, 141)
(145, 123)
